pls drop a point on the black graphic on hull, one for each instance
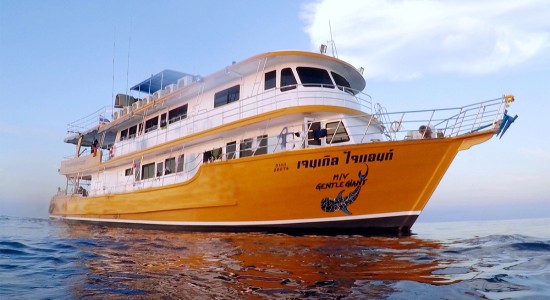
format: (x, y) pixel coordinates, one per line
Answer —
(342, 202)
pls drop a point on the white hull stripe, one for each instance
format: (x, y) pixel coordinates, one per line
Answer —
(246, 223)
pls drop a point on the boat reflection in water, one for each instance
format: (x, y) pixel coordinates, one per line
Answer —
(151, 264)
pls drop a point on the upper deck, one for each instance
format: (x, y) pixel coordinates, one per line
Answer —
(260, 84)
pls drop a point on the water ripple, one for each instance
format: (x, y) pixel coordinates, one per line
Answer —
(53, 260)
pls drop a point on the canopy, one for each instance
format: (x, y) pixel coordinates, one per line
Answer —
(159, 81)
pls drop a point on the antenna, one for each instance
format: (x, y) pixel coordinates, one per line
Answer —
(113, 83)
(128, 63)
(332, 43)
(128, 59)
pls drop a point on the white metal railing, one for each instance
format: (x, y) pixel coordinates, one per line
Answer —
(247, 107)
(445, 122)
(102, 115)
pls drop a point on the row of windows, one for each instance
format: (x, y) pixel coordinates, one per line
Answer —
(310, 77)
(335, 132)
(246, 148)
(168, 166)
(173, 115)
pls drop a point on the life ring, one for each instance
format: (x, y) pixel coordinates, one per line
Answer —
(112, 151)
(395, 126)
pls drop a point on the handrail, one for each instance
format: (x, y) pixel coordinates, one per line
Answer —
(89, 121)
(446, 122)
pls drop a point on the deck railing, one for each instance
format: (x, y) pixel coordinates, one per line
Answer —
(246, 107)
(102, 115)
(447, 122)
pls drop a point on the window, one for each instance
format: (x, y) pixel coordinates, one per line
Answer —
(132, 131)
(336, 133)
(314, 77)
(129, 172)
(169, 165)
(262, 145)
(227, 96)
(151, 124)
(212, 155)
(270, 80)
(246, 148)
(314, 133)
(124, 134)
(231, 150)
(177, 114)
(160, 169)
(342, 83)
(288, 81)
(179, 167)
(148, 171)
(137, 174)
(163, 122)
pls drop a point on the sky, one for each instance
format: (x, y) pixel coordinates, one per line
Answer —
(61, 60)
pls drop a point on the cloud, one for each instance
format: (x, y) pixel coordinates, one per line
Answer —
(404, 40)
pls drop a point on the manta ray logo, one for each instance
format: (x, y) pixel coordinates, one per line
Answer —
(342, 202)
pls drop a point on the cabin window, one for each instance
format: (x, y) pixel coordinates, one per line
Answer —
(169, 165)
(270, 80)
(262, 145)
(245, 148)
(314, 133)
(227, 96)
(137, 167)
(177, 114)
(163, 122)
(160, 169)
(231, 150)
(314, 77)
(288, 81)
(129, 172)
(151, 124)
(212, 155)
(336, 133)
(124, 134)
(148, 171)
(342, 83)
(132, 131)
(179, 166)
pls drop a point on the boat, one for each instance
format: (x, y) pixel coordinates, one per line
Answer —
(284, 141)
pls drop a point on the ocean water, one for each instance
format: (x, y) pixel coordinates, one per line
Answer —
(43, 259)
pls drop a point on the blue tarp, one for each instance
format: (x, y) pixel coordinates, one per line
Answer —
(159, 81)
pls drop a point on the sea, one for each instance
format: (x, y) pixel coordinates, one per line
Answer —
(45, 259)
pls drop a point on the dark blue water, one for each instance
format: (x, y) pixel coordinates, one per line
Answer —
(42, 259)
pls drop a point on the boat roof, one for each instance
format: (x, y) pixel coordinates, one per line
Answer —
(159, 81)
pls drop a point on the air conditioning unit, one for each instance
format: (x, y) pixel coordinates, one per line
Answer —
(136, 105)
(155, 96)
(169, 88)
